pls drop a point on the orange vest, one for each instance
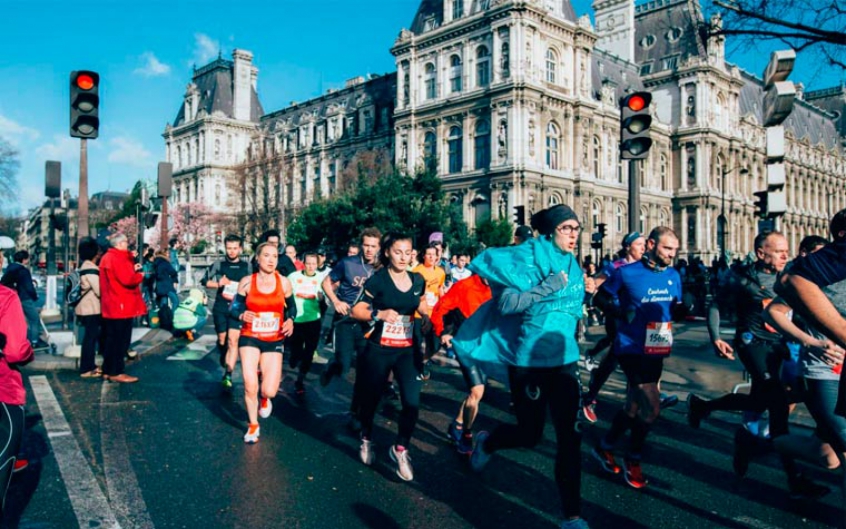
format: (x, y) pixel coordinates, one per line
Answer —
(269, 309)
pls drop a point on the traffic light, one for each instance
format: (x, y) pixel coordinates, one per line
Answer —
(761, 204)
(84, 104)
(602, 230)
(634, 126)
(520, 215)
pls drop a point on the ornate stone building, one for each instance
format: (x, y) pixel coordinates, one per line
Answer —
(516, 102)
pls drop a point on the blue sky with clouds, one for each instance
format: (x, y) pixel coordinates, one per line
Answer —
(144, 52)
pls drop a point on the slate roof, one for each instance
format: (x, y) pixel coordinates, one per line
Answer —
(610, 68)
(666, 29)
(435, 9)
(214, 82)
(832, 100)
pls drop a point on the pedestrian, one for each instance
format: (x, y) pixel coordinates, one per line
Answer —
(120, 301)
(19, 278)
(388, 304)
(15, 350)
(307, 295)
(265, 306)
(538, 288)
(88, 309)
(167, 280)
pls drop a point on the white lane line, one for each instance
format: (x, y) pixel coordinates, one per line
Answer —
(121, 483)
(87, 499)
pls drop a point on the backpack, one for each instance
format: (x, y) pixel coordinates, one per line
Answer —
(74, 292)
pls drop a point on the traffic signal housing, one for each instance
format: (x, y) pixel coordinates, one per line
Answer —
(520, 215)
(761, 204)
(84, 104)
(602, 229)
(634, 126)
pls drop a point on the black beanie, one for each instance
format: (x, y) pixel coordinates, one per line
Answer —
(546, 220)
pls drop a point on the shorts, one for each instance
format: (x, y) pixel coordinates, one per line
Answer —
(473, 375)
(641, 369)
(223, 322)
(263, 347)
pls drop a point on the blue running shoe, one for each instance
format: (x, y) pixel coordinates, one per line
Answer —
(454, 432)
(479, 458)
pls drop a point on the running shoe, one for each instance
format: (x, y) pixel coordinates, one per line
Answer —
(454, 431)
(265, 408)
(578, 523)
(226, 381)
(695, 413)
(190, 335)
(606, 459)
(634, 474)
(668, 401)
(366, 453)
(20, 464)
(465, 444)
(588, 411)
(803, 488)
(252, 435)
(299, 387)
(426, 374)
(479, 458)
(399, 455)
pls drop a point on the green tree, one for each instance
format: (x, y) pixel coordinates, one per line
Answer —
(491, 233)
(129, 205)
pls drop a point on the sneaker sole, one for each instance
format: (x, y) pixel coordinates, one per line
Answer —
(632, 484)
(604, 465)
(399, 474)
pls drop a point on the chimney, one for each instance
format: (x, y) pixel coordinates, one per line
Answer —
(242, 82)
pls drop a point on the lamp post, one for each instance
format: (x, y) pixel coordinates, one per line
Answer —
(722, 221)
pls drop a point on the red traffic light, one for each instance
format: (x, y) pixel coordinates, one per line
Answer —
(636, 103)
(85, 81)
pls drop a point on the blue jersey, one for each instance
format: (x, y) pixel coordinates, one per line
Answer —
(646, 297)
(351, 272)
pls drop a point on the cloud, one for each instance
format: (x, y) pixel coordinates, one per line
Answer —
(205, 48)
(63, 149)
(129, 151)
(14, 132)
(151, 66)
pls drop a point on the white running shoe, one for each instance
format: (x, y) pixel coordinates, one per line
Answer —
(252, 435)
(366, 453)
(403, 461)
(265, 407)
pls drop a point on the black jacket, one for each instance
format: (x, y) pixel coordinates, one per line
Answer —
(19, 278)
(165, 276)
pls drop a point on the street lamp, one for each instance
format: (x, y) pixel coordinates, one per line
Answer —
(722, 221)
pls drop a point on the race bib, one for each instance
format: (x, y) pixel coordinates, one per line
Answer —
(229, 291)
(306, 289)
(431, 299)
(659, 338)
(397, 334)
(266, 323)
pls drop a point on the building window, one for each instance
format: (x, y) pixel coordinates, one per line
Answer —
(455, 74)
(331, 177)
(430, 82)
(646, 69)
(482, 144)
(505, 60)
(551, 66)
(595, 214)
(552, 138)
(691, 229)
(406, 87)
(430, 149)
(455, 150)
(457, 9)
(619, 215)
(368, 121)
(663, 173)
(316, 181)
(597, 157)
(670, 63)
(483, 67)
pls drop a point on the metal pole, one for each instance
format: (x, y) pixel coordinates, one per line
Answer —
(163, 240)
(66, 243)
(82, 204)
(723, 220)
(634, 195)
(51, 240)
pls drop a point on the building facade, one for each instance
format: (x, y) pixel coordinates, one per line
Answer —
(515, 102)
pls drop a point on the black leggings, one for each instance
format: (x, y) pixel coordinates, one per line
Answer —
(534, 390)
(303, 343)
(11, 433)
(600, 375)
(763, 363)
(375, 365)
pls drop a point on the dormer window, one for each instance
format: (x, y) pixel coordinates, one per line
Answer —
(457, 9)
(429, 24)
(648, 41)
(674, 34)
(646, 69)
(670, 63)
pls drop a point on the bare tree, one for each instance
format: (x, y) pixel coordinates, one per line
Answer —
(814, 25)
(9, 165)
(258, 182)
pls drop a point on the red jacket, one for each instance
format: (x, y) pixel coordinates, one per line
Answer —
(120, 292)
(463, 296)
(17, 348)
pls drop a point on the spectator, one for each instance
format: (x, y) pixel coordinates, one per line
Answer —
(167, 279)
(19, 278)
(121, 301)
(88, 308)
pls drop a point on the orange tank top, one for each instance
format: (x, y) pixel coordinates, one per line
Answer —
(269, 309)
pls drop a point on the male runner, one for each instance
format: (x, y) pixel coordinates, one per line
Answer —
(650, 294)
(224, 276)
(307, 295)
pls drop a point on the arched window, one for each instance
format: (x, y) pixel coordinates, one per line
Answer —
(551, 66)
(178, 156)
(552, 138)
(483, 67)
(664, 218)
(430, 81)
(595, 213)
(454, 149)
(482, 144)
(455, 74)
(663, 173)
(718, 174)
(719, 111)
(430, 149)
(505, 60)
(554, 200)
(597, 157)
(642, 221)
(406, 83)
(619, 218)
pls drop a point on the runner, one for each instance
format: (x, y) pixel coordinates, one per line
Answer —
(435, 278)
(458, 304)
(532, 330)
(389, 303)
(649, 294)
(307, 294)
(284, 265)
(265, 304)
(224, 276)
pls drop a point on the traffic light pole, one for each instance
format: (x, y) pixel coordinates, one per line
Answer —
(82, 204)
(634, 195)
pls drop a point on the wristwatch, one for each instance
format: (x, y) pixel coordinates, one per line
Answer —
(374, 315)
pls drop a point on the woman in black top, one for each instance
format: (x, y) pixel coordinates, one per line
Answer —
(389, 304)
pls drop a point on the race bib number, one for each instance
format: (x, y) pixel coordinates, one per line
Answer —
(306, 289)
(266, 323)
(431, 299)
(229, 291)
(659, 338)
(397, 334)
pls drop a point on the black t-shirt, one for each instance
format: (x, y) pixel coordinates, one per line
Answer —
(749, 290)
(234, 271)
(381, 293)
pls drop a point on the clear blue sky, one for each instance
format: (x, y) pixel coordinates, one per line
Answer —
(144, 52)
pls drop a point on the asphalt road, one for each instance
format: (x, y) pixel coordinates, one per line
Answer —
(168, 452)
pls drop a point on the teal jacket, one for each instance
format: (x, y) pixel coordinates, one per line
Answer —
(542, 336)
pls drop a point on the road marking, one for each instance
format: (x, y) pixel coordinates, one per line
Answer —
(196, 350)
(87, 499)
(121, 482)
